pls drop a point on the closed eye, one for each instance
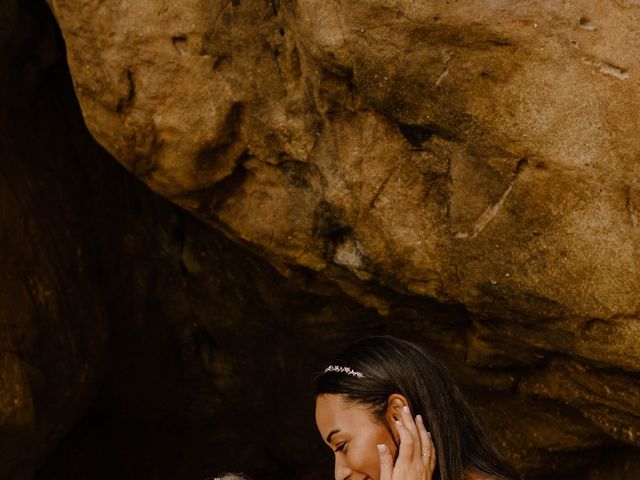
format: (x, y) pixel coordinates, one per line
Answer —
(340, 447)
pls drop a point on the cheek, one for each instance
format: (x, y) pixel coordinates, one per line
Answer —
(362, 457)
(381, 435)
(364, 453)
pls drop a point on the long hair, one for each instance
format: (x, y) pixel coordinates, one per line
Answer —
(388, 365)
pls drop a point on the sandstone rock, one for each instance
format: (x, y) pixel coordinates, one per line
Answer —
(465, 154)
(468, 170)
(481, 154)
(543, 440)
(609, 398)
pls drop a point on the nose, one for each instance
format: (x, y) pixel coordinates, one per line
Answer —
(341, 470)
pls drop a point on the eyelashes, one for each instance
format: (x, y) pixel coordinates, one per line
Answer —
(341, 447)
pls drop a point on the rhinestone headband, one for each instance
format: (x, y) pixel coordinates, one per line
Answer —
(341, 369)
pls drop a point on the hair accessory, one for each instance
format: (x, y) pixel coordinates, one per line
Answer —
(341, 369)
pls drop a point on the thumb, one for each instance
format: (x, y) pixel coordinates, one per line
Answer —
(386, 462)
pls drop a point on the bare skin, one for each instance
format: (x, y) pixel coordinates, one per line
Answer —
(365, 448)
(416, 459)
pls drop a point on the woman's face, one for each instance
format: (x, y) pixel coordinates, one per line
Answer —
(353, 434)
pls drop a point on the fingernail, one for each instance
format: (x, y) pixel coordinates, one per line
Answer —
(399, 423)
(419, 418)
(381, 448)
(429, 433)
(405, 409)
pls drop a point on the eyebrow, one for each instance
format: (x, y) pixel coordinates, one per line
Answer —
(331, 434)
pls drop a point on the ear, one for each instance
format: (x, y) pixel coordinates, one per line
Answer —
(395, 402)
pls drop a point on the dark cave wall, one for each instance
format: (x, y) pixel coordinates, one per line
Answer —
(154, 345)
(53, 318)
(140, 343)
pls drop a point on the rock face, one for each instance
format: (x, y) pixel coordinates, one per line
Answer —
(466, 169)
(132, 337)
(53, 320)
(483, 154)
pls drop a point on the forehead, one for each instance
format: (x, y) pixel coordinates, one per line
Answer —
(334, 413)
(330, 406)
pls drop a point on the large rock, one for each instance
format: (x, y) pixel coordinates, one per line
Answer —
(465, 153)
(470, 154)
(481, 153)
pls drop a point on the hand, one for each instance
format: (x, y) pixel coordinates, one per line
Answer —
(417, 456)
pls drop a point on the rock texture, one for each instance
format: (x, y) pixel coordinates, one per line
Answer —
(479, 154)
(483, 154)
(132, 336)
(53, 326)
(465, 172)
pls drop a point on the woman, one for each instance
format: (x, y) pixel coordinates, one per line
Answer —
(366, 400)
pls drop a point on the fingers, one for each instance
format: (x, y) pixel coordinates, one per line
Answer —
(416, 443)
(407, 443)
(407, 419)
(433, 457)
(386, 462)
(412, 428)
(427, 446)
(424, 438)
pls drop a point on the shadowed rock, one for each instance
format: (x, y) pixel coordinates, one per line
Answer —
(480, 155)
